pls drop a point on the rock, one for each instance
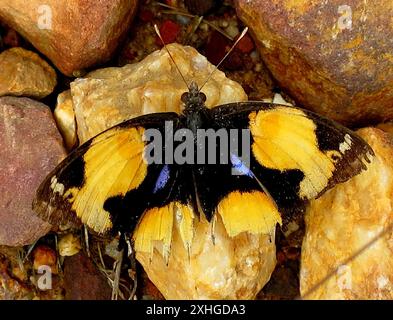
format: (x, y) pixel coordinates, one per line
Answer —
(345, 220)
(24, 73)
(83, 281)
(230, 268)
(31, 147)
(45, 256)
(65, 119)
(73, 34)
(69, 245)
(330, 56)
(109, 96)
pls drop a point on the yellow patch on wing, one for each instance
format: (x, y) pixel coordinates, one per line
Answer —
(284, 139)
(185, 223)
(252, 211)
(113, 165)
(156, 226)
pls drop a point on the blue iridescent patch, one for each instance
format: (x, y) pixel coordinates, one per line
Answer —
(238, 165)
(162, 179)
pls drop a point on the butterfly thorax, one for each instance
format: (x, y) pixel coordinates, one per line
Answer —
(195, 111)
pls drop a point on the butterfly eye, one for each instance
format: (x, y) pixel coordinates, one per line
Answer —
(185, 97)
(202, 96)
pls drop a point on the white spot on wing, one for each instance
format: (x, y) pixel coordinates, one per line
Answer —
(382, 282)
(346, 145)
(56, 186)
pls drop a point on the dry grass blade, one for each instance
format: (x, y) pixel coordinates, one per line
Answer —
(117, 272)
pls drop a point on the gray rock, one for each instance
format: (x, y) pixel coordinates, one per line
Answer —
(31, 147)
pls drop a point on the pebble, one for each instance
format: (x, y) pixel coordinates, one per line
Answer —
(24, 73)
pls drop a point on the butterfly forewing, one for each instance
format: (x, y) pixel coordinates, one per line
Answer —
(106, 183)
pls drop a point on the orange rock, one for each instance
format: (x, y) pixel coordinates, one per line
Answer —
(73, 34)
(24, 73)
(45, 256)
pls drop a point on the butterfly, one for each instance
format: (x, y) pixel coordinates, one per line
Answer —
(107, 185)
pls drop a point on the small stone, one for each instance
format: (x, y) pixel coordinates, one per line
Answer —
(246, 45)
(69, 245)
(31, 147)
(169, 31)
(228, 268)
(232, 30)
(11, 39)
(83, 281)
(278, 99)
(65, 119)
(44, 256)
(24, 73)
(112, 250)
(74, 35)
(345, 220)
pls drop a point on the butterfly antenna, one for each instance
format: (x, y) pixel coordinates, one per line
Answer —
(173, 60)
(227, 54)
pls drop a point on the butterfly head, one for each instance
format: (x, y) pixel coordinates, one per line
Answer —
(194, 98)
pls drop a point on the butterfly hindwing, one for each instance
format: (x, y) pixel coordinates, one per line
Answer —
(105, 183)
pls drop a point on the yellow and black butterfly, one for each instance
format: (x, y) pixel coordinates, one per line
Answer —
(107, 184)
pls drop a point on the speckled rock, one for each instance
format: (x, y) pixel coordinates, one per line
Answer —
(31, 147)
(109, 96)
(73, 34)
(83, 281)
(228, 268)
(345, 220)
(24, 73)
(333, 57)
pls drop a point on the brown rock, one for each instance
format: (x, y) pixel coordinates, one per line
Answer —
(83, 281)
(228, 268)
(31, 147)
(73, 34)
(341, 227)
(24, 73)
(341, 70)
(109, 96)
